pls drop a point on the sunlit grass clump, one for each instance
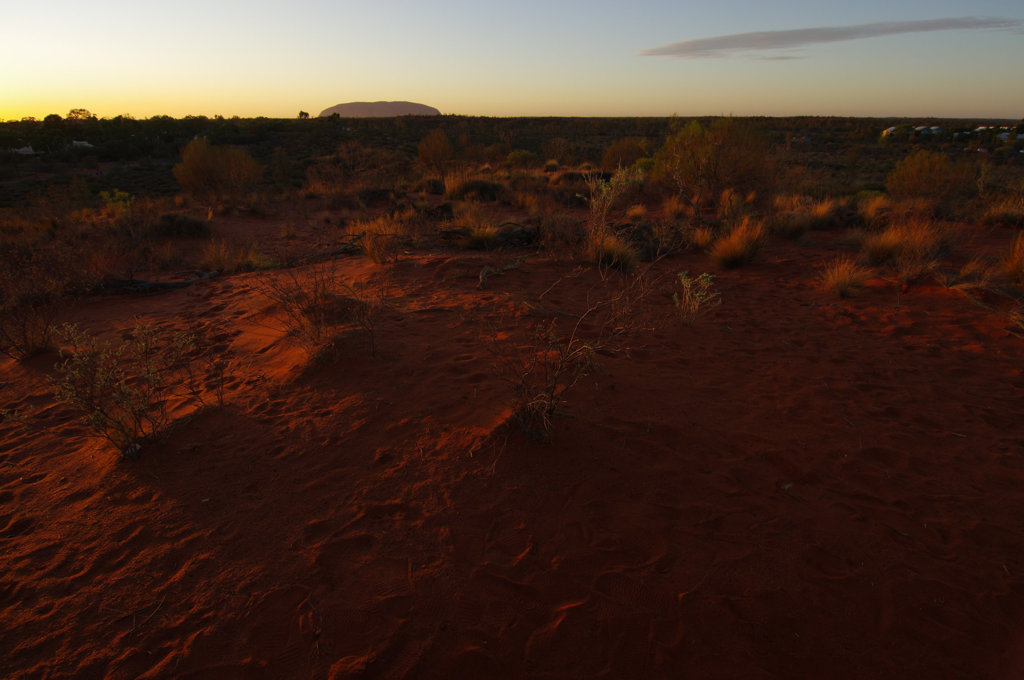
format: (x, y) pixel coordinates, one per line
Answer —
(844, 277)
(741, 245)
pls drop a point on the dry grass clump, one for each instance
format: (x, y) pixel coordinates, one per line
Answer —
(844, 276)
(910, 242)
(1013, 262)
(1006, 213)
(741, 245)
(976, 273)
(675, 208)
(701, 238)
(609, 250)
(481, 237)
(799, 214)
(227, 257)
(875, 209)
(636, 213)
(382, 236)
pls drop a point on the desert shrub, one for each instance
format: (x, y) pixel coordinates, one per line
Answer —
(521, 158)
(122, 389)
(623, 153)
(603, 246)
(701, 238)
(32, 288)
(558, 356)
(551, 165)
(699, 163)
(930, 177)
(313, 302)
(696, 296)
(741, 245)
(216, 173)
(435, 151)
(844, 276)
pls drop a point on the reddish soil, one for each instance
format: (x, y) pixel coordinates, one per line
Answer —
(794, 486)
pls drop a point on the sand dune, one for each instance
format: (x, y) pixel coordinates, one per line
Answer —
(794, 486)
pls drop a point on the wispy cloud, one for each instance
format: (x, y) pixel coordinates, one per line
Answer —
(760, 41)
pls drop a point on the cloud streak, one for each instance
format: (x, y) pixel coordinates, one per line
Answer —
(760, 41)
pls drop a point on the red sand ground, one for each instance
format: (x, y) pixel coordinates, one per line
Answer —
(795, 486)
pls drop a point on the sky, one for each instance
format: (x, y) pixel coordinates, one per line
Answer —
(906, 58)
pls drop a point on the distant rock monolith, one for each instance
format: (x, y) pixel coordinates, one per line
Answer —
(380, 110)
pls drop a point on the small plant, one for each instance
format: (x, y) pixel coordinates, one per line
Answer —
(695, 297)
(122, 389)
(844, 277)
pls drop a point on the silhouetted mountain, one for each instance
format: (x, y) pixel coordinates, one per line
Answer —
(380, 110)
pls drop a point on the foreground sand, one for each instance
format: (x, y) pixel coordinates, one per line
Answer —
(795, 486)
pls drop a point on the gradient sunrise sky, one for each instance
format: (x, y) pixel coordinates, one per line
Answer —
(518, 58)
